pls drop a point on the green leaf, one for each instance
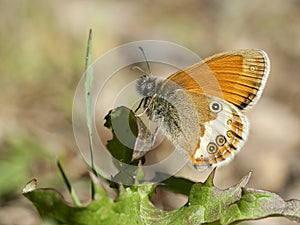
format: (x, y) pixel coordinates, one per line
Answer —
(214, 200)
(238, 203)
(207, 205)
(175, 184)
(122, 122)
(257, 204)
(124, 126)
(51, 205)
(126, 209)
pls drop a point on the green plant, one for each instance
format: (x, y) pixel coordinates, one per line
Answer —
(206, 204)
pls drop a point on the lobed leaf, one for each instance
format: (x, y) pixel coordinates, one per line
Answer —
(207, 205)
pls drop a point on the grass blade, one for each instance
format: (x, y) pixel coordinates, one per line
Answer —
(68, 184)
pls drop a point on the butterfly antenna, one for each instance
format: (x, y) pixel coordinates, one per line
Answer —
(147, 62)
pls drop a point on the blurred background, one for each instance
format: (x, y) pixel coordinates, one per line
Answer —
(42, 51)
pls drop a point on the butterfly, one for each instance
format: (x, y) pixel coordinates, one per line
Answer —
(201, 109)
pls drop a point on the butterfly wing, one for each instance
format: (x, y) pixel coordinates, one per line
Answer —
(221, 88)
(207, 129)
(238, 76)
(217, 89)
(224, 131)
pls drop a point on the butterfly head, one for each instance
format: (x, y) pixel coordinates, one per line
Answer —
(146, 86)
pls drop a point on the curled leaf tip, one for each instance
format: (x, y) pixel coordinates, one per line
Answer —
(30, 186)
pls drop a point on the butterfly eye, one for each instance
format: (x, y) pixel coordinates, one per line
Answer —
(252, 68)
(229, 133)
(220, 140)
(212, 148)
(215, 107)
(229, 122)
